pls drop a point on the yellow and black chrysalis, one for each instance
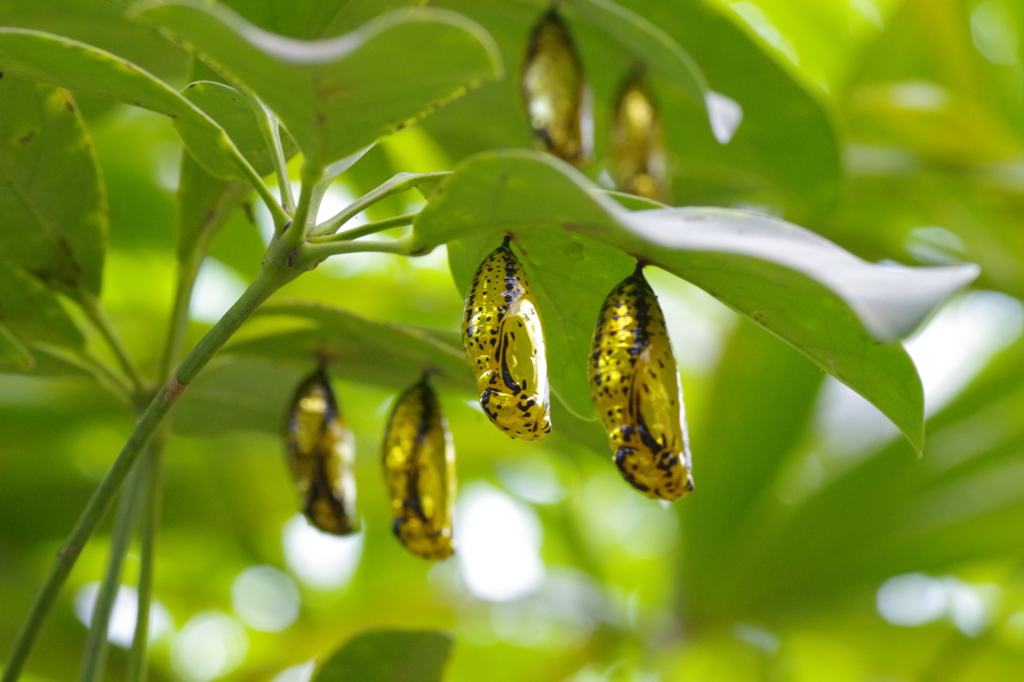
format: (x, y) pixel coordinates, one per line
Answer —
(555, 92)
(321, 454)
(504, 344)
(635, 387)
(637, 148)
(419, 469)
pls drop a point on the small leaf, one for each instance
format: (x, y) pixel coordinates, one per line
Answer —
(230, 109)
(841, 312)
(338, 96)
(51, 195)
(32, 312)
(39, 56)
(389, 656)
(205, 204)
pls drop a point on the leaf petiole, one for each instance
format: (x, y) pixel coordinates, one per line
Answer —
(399, 183)
(367, 229)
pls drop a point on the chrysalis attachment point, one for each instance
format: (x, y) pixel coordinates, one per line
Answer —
(419, 469)
(635, 387)
(321, 454)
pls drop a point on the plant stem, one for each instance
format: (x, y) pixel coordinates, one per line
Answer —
(98, 316)
(150, 522)
(294, 233)
(368, 228)
(94, 659)
(271, 130)
(270, 278)
(313, 253)
(399, 183)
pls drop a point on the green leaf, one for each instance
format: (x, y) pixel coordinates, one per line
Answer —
(231, 110)
(389, 656)
(251, 388)
(841, 312)
(786, 151)
(35, 55)
(205, 204)
(247, 394)
(313, 19)
(357, 348)
(32, 312)
(14, 357)
(763, 395)
(338, 96)
(53, 212)
(650, 45)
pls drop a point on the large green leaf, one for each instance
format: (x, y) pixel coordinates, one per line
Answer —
(648, 43)
(787, 150)
(52, 59)
(53, 212)
(313, 19)
(890, 513)
(763, 394)
(389, 656)
(357, 348)
(841, 312)
(250, 389)
(338, 96)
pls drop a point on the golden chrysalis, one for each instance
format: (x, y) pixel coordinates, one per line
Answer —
(637, 148)
(504, 344)
(636, 389)
(321, 454)
(555, 92)
(419, 469)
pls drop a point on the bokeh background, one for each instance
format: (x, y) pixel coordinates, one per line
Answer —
(817, 546)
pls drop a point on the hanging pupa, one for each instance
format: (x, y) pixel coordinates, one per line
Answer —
(635, 387)
(419, 469)
(637, 148)
(321, 454)
(557, 98)
(504, 342)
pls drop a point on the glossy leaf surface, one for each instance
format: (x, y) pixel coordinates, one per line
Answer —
(54, 215)
(332, 95)
(783, 277)
(79, 67)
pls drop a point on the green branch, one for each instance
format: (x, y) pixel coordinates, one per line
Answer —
(399, 183)
(150, 522)
(270, 278)
(271, 129)
(94, 659)
(311, 254)
(367, 229)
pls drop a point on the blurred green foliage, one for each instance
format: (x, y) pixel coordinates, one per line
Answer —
(816, 545)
